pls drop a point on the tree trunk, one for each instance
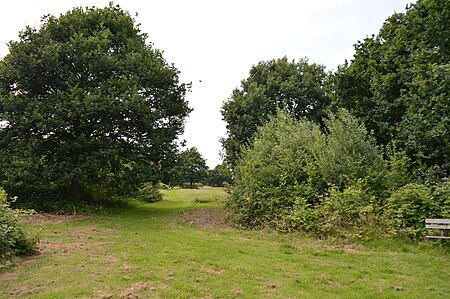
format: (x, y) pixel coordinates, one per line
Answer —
(75, 194)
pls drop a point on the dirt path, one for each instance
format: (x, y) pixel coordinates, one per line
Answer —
(213, 218)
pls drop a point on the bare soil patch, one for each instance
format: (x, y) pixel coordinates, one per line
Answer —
(20, 292)
(134, 289)
(346, 248)
(65, 247)
(210, 270)
(9, 275)
(213, 218)
(45, 218)
(125, 267)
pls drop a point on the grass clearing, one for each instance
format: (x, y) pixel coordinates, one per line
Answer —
(154, 251)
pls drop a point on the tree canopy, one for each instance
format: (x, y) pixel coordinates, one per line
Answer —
(398, 83)
(294, 86)
(85, 101)
(190, 168)
(220, 175)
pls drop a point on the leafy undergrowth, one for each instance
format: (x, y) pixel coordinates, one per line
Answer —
(162, 250)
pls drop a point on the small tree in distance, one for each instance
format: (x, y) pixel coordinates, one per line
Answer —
(190, 168)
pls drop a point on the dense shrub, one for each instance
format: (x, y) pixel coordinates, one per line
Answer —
(349, 152)
(352, 213)
(411, 204)
(150, 192)
(14, 240)
(276, 170)
(441, 194)
(397, 171)
(292, 165)
(332, 184)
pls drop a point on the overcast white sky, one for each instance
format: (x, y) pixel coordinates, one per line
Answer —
(217, 42)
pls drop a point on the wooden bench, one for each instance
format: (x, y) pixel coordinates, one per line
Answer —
(441, 224)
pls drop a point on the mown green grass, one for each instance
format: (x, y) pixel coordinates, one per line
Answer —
(149, 251)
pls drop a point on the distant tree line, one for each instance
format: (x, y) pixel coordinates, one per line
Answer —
(190, 169)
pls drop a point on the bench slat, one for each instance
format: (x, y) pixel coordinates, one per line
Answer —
(438, 221)
(437, 237)
(437, 226)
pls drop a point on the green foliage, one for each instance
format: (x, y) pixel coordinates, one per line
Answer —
(294, 86)
(411, 204)
(190, 168)
(14, 240)
(349, 152)
(150, 193)
(333, 184)
(220, 176)
(294, 172)
(397, 83)
(98, 202)
(397, 169)
(338, 182)
(274, 170)
(88, 105)
(352, 213)
(441, 194)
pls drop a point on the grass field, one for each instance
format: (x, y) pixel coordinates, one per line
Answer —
(162, 251)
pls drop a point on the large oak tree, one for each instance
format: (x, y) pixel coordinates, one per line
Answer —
(85, 100)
